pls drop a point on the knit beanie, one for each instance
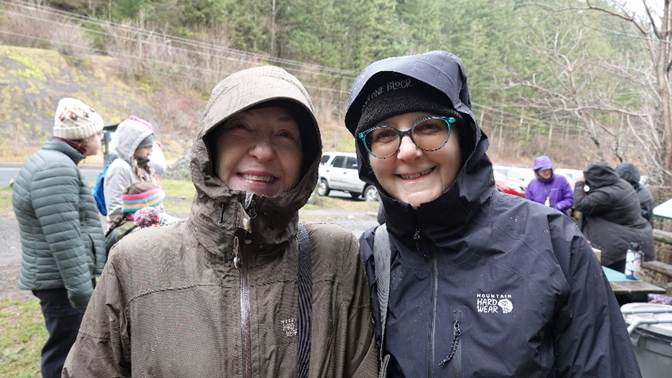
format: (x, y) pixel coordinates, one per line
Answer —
(74, 120)
(147, 142)
(141, 195)
(392, 94)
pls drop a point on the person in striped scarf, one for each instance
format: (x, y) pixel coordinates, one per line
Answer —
(141, 207)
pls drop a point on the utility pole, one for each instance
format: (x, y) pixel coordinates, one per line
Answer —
(273, 28)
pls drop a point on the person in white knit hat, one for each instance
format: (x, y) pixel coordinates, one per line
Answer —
(62, 242)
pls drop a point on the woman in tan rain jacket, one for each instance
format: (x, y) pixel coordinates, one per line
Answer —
(216, 295)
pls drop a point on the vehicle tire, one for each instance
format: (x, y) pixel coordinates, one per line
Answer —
(323, 188)
(354, 195)
(371, 193)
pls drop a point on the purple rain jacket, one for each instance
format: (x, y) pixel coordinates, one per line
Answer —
(556, 189)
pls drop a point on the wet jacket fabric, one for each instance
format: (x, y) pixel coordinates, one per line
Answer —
(172, 303)
(124, 170)
(483, 284)
(62, 240)
(556, 189)
(611, 214)
(630, 173)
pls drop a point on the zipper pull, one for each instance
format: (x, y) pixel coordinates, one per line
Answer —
(416, 238)
(236, 258)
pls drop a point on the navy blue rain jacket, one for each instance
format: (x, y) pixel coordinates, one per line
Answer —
(484, 284)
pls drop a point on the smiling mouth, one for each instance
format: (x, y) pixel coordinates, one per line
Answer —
(413, 176)
(259, 178)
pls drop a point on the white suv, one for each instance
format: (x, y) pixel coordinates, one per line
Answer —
(338, 171)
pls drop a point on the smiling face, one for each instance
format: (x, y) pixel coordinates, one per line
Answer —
(415, 176)
(260, 151)
(545, 173)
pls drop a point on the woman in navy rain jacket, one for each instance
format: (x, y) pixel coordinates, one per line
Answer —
(481, 284)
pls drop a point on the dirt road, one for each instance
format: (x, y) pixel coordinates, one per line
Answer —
(10, 253)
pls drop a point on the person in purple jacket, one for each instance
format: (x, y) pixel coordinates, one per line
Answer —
(548, 188)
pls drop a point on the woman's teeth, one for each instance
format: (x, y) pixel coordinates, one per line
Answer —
(412, 176)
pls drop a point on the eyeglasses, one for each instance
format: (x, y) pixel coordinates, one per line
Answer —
(428, 134)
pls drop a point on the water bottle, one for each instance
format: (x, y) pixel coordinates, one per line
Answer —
(633, 261)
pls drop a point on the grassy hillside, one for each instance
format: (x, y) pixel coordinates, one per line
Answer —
(33, 80)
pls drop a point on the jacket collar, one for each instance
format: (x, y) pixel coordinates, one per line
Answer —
(60, 146)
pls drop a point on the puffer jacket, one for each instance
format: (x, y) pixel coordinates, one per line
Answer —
(172, 303)
(612, 216)
(124, 170)
(62, 240)
(483, 284)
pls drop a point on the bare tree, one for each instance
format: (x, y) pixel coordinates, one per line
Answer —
(621, 99)
(656, 33)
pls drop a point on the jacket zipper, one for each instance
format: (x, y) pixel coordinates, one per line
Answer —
(242, 265)
(435, 290)
(245, 329)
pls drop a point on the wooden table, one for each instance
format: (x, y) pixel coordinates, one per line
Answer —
(623, 286)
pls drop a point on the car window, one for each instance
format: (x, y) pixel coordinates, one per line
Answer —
(351, 163)
(324, 159)
(338, 161)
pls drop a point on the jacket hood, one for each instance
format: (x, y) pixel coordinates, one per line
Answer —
(129, 134)
(600, 174)
(218, 212)
(474, 183)
(629, 173)
(542, 162)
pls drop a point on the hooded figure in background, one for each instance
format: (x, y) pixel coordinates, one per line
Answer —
(630, 173)
(62, 243)
(548, 188)
(612, 218)
(216, 295)
(135, 140)
(481, 284)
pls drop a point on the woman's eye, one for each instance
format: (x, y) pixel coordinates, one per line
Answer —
(429, 127)
(286, 135)
(383, 135)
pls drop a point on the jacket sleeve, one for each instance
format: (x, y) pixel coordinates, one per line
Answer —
(567, 199)
(102, 348)
(594, 202)
(118, 178)
(529, 191)
(359, 328)
(590, 336)
(55, 200)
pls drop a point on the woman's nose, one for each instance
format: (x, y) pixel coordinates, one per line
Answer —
(262, 149)
(408, 149)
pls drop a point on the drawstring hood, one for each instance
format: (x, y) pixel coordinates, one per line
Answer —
(218, 212)
(444, 73)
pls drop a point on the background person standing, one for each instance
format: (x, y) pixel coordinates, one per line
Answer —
(135, 140)
(62, 241)
(611, 215)
(630, 173)
(548, 188)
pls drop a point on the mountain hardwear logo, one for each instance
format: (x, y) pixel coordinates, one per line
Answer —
(494, 303)
(289, 327)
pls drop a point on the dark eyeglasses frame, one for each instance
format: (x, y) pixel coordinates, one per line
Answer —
(448, 121)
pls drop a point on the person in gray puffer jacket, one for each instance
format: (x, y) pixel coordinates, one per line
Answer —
(62, 239)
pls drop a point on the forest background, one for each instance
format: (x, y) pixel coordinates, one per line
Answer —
(577, 80)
